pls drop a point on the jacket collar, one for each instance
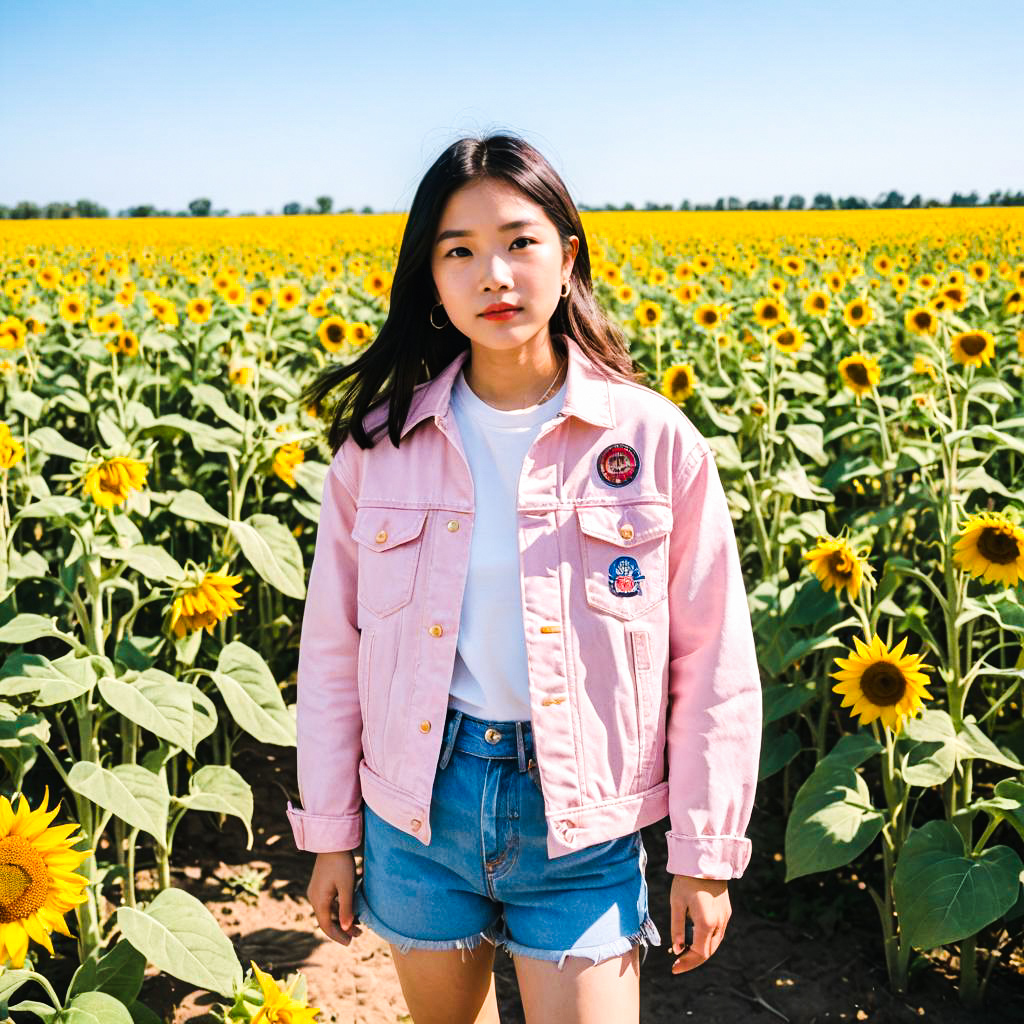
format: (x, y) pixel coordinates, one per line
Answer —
(587, 390)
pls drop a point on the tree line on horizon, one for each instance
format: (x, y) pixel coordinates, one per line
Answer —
(892, 200)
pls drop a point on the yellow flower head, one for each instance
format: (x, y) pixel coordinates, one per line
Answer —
(837, 565)
(289, 296)
(770, 312)
(199, 310)
(921, 320)
(202, 604)
(789, 339)
(973, 348)
(817, 303)
(12, 333)
(332, 333)
(991, 546)
(286, 458)
(860, 373)
(111, 482)
(679, 382)
(73, 307)
(648, 314)
(708, 315)
(877, 683)
(857, 313)
(11, 450)
(278, 1006)
(38, 884)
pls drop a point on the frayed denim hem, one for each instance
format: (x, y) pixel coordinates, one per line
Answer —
(647, 935)
(367, 917)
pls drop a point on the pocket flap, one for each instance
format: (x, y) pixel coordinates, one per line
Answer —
(625, 525)
(385, 528)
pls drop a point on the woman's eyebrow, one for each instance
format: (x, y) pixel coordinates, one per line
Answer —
(512, 225)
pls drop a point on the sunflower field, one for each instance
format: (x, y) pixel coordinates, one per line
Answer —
(859, 376)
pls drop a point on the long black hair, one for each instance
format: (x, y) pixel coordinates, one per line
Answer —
(408, 350)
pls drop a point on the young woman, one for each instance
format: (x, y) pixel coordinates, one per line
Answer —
(526, 634)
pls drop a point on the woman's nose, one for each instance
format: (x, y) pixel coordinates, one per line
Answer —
(497, 274)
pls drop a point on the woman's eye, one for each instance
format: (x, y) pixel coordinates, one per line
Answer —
(462, 248)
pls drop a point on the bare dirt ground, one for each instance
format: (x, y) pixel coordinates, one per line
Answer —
(806, 952)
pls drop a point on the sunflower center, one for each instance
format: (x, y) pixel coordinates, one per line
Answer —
(973, 344)
(883, 684)
(334, 333)
(998, 546)
(839, 564)
(787, 338)
(856, 312)
(24, 880)
(858, 373)
(110, 483)
(923, 320)
(681, 383)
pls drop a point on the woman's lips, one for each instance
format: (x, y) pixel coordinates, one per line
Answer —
(501, 314)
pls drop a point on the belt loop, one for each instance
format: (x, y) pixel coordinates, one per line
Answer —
(453, 729)
(521, 748)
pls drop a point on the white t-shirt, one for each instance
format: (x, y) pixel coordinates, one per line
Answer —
(490, 679)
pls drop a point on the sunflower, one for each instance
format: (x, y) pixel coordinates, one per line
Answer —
(332, 333)
(359, 333)
(857, 313)
(920, 320)
(38, 885)
(202, 604)
(278, 1006)
(789, 339)
(286, 458)
(48, 278)
(377, 282)
(816, 303)
(678, 382)
(924, 366)
(835, 281)
(860, 373)
(837, 565)
(289, 296)
(625, 293)
(128, 343)
(126, 296)
(12, 333)
(991, 546)
(11, 450)
(770, 312)
(687, 293)
(317, 308)
(1014, 301)
(955, 296)
(164, 310)
(199, 310)
(972, 348)
(879, 683)
(241, 373)
(259, 301)
(72, 308)
(648, 314)
(708, 316)
(110, 482)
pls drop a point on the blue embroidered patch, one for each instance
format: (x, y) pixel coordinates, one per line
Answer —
(624, 577)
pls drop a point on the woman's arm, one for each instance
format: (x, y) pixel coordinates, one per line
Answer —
(329, 719)
(713, 732)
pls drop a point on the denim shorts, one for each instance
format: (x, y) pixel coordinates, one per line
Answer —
(486, 874)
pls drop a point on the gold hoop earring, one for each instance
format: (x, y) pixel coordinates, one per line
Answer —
(438, 327)
(568, 288)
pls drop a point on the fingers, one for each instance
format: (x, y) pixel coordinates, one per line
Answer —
(338, 926)
(700, 945)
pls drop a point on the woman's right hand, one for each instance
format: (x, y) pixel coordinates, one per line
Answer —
(330, 892)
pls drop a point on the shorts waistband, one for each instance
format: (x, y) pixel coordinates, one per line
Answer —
(486, 738)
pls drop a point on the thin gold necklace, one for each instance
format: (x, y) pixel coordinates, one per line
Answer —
(558, 374)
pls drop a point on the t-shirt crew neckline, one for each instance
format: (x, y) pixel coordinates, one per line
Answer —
(476, 407)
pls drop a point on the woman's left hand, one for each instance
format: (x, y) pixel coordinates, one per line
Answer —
(707, 900)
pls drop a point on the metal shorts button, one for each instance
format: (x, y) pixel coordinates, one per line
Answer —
(415, 824)
(424, 726)
(626, 532)
(492, 736)
(453, 525)
(382, 535)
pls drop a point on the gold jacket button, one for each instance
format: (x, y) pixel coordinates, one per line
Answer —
(453, 525)
(626, 532)
(424, 726)
(415, 824)
(382, 535)
(436, 630)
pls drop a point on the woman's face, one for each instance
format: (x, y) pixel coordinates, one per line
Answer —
(507, 251)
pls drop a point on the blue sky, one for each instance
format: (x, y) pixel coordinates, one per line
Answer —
(255, 104)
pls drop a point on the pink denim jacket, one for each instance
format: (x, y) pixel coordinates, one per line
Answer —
(637, 628)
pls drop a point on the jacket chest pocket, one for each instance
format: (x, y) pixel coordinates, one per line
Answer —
(389, 542)
(625, 556)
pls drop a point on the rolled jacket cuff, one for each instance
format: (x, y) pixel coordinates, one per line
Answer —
(322, 833)
(707, 856)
